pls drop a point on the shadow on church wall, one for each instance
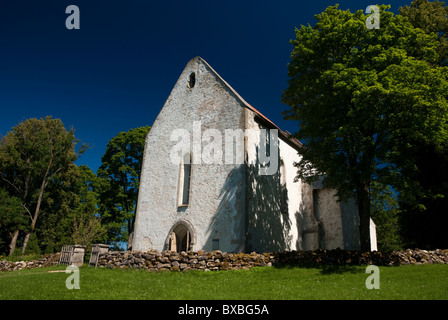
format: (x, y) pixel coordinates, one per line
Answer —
(253, 215)
(268, 225)
(227, 227)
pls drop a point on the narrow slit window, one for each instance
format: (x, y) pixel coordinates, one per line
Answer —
(191, 80)
(184, 180)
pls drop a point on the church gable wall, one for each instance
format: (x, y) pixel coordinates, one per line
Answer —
(215, 210)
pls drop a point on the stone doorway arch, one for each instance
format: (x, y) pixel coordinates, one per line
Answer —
(181, 237)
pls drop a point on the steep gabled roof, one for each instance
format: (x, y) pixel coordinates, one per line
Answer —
(286, 136)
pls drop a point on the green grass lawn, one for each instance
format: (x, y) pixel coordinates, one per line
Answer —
(405, 282)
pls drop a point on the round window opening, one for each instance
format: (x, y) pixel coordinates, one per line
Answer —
(192, 80)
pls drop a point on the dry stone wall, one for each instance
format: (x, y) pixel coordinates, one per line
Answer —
(174, 261)
(348, 257)
(217, 260)
(46, 261)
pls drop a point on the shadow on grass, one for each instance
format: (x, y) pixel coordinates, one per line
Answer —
(326, 269)
(339, 269)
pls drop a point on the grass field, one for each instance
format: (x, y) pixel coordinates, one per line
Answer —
(417, 282)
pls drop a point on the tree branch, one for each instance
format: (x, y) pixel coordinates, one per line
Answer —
(12, 184)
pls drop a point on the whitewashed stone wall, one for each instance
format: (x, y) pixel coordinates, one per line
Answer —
(216, 209)
(314, 218)
(278, 208)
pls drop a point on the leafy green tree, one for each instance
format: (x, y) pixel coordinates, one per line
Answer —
(425, 205)
(55, 229)
(85, 218)
(32, 155)
(71, 211)
(12, 220)
(360, 96)
(120, 171)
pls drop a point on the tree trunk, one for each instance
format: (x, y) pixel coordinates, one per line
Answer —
(12, 245)
(33, 225)
(25, 242)
(37, 211)
(363, 200)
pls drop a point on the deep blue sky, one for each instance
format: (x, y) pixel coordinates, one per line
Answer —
(117, 70)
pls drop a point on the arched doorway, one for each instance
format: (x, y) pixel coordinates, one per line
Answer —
(180, 237)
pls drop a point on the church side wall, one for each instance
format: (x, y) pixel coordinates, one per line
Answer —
(278, 208)
(350, 224)
(328, 212)
(284, 214)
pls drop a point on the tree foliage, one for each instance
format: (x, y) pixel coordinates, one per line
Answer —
(360, 96)
(32, 156)
(432, 18)
(85, 219)
(425, 206)
(120, 174)
(70, 211)
(385, 211)
(13, 219)
(48, 201)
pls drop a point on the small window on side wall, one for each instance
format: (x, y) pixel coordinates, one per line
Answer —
(215, 244)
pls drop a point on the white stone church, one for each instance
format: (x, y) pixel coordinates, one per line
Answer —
(217, 174)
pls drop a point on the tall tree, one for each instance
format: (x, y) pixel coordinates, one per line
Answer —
(34, 153)
(120, 169)
(425, 212)
(359, 96)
